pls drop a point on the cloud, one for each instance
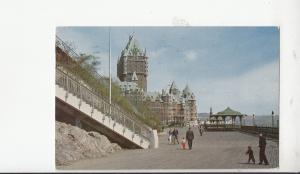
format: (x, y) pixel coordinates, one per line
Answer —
(157, 54)
(221, 74)
(190, 55)
(255, 91)
(159, 75)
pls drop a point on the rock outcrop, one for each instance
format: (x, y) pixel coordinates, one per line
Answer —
(73, 143)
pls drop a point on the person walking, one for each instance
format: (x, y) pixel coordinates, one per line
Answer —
(250, 154)
(176, 135)
(201, 130)
(262, 148)
(189, 137)
(183, 143)
(170, 136)
(205, 126)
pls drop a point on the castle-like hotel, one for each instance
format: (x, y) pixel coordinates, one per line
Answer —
(171, 104)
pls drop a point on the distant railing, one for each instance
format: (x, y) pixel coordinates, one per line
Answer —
(221, 127)
(72, 54)
(67, 49)
(87, 95)
(272, 132)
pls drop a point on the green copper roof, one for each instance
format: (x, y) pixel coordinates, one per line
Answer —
(173, 86)
(132, 48)
(228, 111)
(186, 90)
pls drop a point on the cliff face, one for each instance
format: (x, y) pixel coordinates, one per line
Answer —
(73, 143)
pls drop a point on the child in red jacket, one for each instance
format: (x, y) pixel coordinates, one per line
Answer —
(183, 143)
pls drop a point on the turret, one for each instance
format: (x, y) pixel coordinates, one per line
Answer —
(133, 64)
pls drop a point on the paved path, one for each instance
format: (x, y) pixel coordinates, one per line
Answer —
(214, 150)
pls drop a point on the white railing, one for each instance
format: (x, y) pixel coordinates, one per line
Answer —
(97, 102)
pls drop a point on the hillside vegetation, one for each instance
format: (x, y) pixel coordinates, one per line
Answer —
(84, 67)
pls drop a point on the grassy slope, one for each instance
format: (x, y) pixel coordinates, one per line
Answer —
(101, 87)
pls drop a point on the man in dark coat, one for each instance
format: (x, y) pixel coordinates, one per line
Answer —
(189, 137)
(262, 148)
(175, 133)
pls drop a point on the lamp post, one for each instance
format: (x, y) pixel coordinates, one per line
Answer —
(272, 119)
(109, 62)
(253, 119)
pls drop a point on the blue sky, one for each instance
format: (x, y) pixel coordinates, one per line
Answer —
(224, 66)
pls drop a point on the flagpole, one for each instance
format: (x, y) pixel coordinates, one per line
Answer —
(109, 74)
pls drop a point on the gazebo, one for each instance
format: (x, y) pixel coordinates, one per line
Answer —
(228, 112)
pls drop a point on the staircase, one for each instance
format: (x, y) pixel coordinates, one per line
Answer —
(87, 107)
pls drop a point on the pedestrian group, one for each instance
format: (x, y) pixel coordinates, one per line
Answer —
(189, 137)
(262, 148)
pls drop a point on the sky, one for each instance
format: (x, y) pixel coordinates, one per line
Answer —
(236, 67)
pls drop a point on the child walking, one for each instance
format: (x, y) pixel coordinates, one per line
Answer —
(183, 143)
(170, 136)
(250, 153)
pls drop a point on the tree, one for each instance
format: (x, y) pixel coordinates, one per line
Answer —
(90, 62)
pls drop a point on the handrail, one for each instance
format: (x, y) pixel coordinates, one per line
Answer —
(72, 54)
(85, 94)
(67, 49)
(115, 108)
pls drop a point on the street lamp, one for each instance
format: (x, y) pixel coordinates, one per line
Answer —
(272, 119)
(109, 62)
(253, 119)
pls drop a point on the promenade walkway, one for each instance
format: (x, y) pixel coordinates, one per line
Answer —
(214, 150)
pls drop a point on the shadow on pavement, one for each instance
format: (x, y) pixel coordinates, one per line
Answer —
(247, 163)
